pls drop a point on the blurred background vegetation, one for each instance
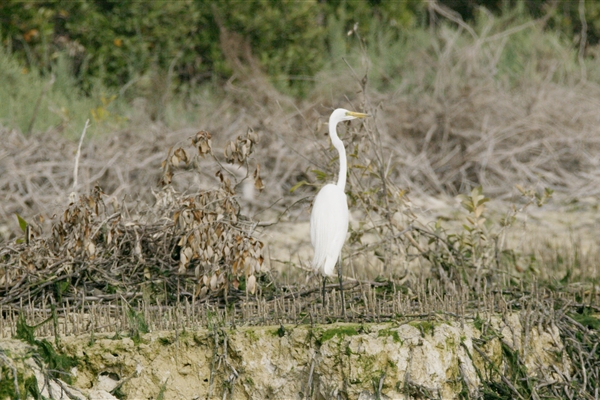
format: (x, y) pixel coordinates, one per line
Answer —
(64, 61)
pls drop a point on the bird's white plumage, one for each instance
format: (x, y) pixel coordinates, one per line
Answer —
(328, 227)
(329, 218)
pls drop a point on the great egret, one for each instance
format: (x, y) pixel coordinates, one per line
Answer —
(329, 218)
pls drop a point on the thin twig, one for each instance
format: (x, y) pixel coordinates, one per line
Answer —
(73, 196)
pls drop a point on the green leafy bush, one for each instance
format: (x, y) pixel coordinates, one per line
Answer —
(116, 43)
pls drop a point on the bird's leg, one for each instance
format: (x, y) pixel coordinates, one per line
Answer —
(341, 287)
(323, 291)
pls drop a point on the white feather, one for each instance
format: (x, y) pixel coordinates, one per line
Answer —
(328, 227)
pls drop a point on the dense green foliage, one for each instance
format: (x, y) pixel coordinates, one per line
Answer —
(117, 42)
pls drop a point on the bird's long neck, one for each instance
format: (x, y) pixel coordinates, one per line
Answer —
(339, 145)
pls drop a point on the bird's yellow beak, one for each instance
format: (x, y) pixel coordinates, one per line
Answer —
(357, 114)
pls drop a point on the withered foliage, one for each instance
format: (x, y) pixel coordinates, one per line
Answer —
(184, 244)
(217, 244)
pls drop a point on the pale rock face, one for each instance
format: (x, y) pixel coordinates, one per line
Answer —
(433, 358)
(18, 357)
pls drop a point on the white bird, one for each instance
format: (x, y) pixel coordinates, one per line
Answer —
(329, 218)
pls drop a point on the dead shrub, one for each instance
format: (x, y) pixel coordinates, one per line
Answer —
(184, 244)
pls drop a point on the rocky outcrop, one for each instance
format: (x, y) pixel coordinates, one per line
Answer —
(419, 359)
(26, 376)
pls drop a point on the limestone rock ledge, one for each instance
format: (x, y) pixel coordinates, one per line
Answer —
(25, 375)
(418, 359)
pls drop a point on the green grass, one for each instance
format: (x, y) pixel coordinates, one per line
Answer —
(36, 102)
(510, 50)
(340, 331)
(390, 333)
(425, 327)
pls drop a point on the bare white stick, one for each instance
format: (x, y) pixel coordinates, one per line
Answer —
(73, 195)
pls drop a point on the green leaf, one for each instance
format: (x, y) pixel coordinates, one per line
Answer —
(297, 185)
(22, 223)
(320, 174)
(61, 288)
(483, 200)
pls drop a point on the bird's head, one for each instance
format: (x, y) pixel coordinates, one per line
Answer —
(342, 114)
